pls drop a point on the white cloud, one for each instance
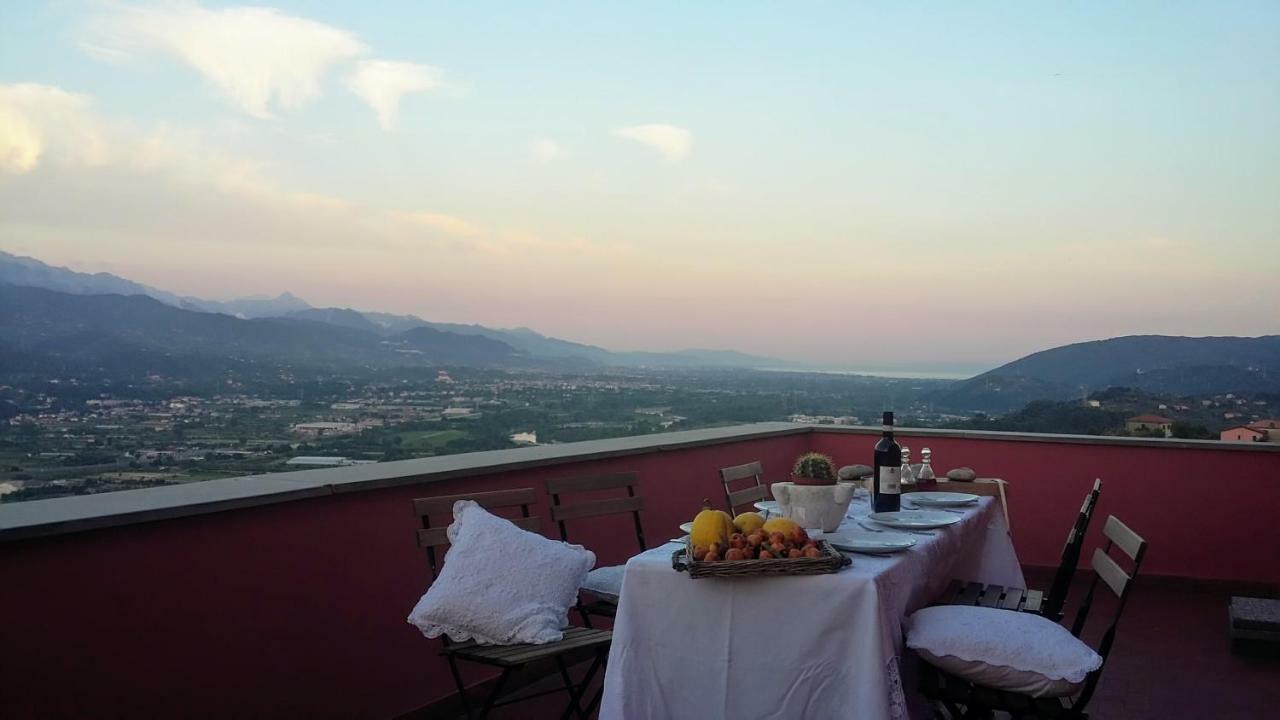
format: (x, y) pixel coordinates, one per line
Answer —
(545, 149)
(40, 120)
(69, 173)
(381, 84)
(258, 58)
(674, 143)
(447, 224)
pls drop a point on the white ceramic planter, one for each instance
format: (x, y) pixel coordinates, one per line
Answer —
(814, 505)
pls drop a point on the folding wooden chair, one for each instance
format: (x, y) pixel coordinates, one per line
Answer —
(609, 577)
(963, 699)
(960, 592)
(510, 658)
(749, 494)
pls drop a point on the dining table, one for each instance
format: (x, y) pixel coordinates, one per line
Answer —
(785, 647)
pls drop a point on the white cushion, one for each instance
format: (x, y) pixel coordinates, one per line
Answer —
(605, 582)
(1002, 649)
(500, 584)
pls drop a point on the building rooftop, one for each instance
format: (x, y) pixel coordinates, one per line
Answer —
(324, 562)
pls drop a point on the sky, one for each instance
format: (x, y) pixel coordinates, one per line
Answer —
(888, 185)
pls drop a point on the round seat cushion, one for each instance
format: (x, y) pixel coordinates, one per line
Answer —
(1002, 649)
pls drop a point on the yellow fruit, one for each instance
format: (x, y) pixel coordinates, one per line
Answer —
(786, 526)
(748, 522)
(711, 526)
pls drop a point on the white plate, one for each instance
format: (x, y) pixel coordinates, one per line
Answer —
(865, 541)
(942, 499)
(686, 528)
(769, 506)
(915, 519)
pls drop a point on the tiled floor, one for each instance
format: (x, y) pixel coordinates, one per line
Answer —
(1171, 660)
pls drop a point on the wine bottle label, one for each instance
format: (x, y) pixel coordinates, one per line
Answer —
(890, 480)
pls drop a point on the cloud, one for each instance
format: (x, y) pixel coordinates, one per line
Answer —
(674, 143)
(258, 58)
(447, 224)
(545, 149)
(70, 175)
(381, 84)
(39, 120)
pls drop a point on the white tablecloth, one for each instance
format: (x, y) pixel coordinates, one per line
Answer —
(815, 646)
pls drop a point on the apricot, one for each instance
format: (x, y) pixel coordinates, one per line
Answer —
(794, 553)
(699, 552)
(711, 556)
(766, 555)
(734, 554)
(777, 538)
(755, 540)
(812, 552)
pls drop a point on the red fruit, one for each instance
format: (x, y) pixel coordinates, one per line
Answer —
(794, 553)
(737, 541)
(777, 538)
(734, 554)
(766, 555)
(711, 557)
(812, 552)
(755, 540)
(699, 552)
(778, 549)
(715, 548)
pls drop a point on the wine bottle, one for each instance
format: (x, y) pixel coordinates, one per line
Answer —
(886, 471)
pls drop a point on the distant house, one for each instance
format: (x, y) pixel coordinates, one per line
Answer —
(1243, 433)
(1258, 431)
(1148, 423)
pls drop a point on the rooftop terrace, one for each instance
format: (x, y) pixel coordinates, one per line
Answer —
(286, 594)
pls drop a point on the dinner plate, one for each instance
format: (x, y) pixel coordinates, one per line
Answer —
(915, 519)
(769, 506)
(686, 528)
(865, 541)
(942, 499)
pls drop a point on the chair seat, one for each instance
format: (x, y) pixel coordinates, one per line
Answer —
(575, 638)
(605, 582)
(1019, 653)
(960, 592)
(937, 684)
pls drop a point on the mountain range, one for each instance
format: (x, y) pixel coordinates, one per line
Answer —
(520, 343)
(55, 318)
(1154, 363)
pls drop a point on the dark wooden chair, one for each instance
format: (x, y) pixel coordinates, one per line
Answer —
(577, 641)
(750, 492)
(963, 699)
(1050, 605)
(561, 511)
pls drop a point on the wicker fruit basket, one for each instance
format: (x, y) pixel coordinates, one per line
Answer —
(832, 560)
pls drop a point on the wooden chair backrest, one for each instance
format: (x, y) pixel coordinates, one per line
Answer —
(632, 503)
(430, 536)
(1070, 560)
(1118, 581)
(749, 494)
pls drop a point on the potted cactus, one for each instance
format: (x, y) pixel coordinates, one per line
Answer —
(814, 469)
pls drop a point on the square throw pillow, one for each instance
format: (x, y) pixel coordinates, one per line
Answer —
(1002, 649)
(501, 585)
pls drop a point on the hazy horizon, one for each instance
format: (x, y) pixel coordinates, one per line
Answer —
(775, 180)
